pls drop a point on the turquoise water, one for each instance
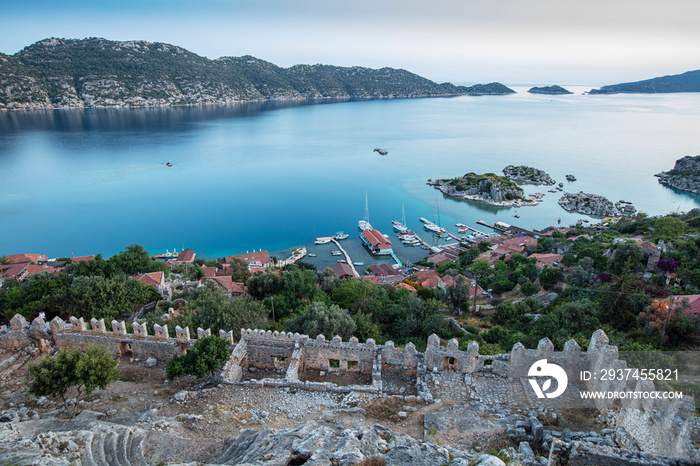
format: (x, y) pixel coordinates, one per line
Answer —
(277, 175)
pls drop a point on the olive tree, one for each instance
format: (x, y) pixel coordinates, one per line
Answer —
(82, 370)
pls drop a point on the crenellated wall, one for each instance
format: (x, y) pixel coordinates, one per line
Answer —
(77, 334)
(657, 425)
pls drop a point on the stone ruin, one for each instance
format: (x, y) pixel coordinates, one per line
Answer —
(278, 359)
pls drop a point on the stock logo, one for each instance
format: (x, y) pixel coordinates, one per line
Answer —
(542, 368)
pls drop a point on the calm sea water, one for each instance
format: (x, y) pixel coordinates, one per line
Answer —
(277, 175)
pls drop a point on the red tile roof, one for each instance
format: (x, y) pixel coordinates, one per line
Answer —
(385, 270)
(227, 284)
(82, 258)
(23, 270)
(19, 258)
(546, 259)
(253, 259)
(154, 279)
(342, 270)
(186, 256)
(693, 300)
(376, 238)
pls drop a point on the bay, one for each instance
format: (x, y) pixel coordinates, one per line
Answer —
(279, 174)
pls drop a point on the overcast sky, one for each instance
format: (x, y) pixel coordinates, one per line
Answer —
(594, 42)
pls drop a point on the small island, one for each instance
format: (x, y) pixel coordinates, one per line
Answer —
(551, 90)
(523, 174)
(488, 188)
(589, 204)
(685, 175)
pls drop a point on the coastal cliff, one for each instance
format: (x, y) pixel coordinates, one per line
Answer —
(70, 73)
(489, 188)
(685, 175)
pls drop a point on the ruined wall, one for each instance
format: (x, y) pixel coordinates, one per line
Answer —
(269, 350)
(77, 334)
(402, 360)
(351, 356)
(655, 425)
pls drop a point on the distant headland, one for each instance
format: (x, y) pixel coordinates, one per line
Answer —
(686, 82)
(95, 72)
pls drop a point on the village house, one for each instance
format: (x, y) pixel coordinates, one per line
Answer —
(227, 284)
(156, 280)
(186, 256)
(342, 270)
(20, 258)
(546, 260)
(82, 258)
(448, 254)
(258, 261)
(22, 270)
(377, 243)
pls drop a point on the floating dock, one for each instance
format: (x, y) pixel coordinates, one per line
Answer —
(496, 227)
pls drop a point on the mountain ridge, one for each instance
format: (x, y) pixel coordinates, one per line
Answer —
(96, 72)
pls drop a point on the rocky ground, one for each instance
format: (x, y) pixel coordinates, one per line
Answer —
(179, 421)
(523, 174)
(589, 204)
(144, 419)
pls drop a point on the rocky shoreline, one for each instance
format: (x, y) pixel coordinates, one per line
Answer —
(523, 174)
(589, 204)
(488, 192)
(685, 175)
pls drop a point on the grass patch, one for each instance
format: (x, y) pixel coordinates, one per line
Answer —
(386, 409)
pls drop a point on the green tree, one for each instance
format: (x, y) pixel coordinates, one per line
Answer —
(209, 307)
(550, 277)
(458, 294)
(528, 289)
(320, 319)
(627, 257)
(82, 370)
(209, 354)
(668, 228)
(134, 259)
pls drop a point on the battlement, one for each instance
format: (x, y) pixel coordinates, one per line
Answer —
(298, 359)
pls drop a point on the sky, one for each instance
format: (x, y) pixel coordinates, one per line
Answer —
(538, 42)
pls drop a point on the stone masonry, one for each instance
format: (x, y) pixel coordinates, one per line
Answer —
(655, 425)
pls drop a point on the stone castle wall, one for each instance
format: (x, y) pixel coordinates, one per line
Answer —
(656, 425)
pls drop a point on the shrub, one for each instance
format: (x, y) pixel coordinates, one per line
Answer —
(207, 356)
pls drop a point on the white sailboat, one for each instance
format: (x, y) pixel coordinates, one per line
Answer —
(364, 223)
(400, 227)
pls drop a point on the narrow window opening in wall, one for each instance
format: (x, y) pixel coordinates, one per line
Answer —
(334, 363)
(352, 365)
(488, 362)
(125, 349)
(279, 362)
(449, 364)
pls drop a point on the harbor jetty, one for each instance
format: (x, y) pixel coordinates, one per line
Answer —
(347, 256)
(300, 254)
